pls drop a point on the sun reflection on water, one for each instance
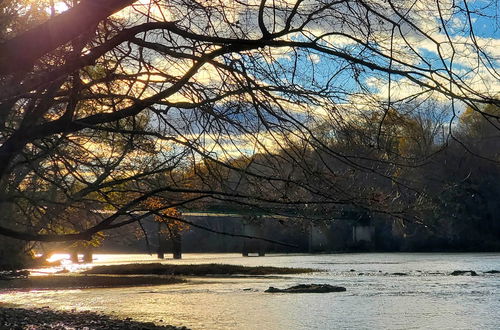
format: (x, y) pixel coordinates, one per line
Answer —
(58, 256)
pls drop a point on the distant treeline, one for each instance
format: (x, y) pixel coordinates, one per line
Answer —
(428, 181)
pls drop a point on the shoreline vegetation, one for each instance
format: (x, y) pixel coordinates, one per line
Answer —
(195, 270)
(139, 275)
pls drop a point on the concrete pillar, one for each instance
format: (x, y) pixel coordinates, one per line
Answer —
(87, 255)
(177, 245)
(73, 255)
(253, 245)
(162, 244)
(244, 249)
(310, 238)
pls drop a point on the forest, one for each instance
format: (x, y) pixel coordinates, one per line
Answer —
(115, 111)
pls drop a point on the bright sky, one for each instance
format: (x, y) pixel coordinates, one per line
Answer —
(449, 44)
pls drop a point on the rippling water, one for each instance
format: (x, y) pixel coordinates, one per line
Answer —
(428, 297)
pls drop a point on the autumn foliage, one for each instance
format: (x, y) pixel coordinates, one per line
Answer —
(169, 216)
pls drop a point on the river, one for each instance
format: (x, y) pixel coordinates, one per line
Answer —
(428, 297)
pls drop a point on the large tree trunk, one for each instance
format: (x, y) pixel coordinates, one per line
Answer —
(12, 255)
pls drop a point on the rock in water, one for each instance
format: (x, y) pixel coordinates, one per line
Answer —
(464, 272)
(308, 288)
(492, 272)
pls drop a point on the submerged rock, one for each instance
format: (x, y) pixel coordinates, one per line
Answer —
(463, 272)
(308, 288)
(63, 271)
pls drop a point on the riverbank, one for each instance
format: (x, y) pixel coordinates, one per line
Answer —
(44, 318)
(129, 275)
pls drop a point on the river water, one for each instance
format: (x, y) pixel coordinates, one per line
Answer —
(428, 297)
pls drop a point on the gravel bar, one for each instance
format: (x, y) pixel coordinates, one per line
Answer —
(44, 318)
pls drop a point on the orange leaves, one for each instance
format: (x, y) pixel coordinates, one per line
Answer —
(166, 215)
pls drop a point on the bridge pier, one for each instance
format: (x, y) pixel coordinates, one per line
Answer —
(73, 256)
(174, 244)
(162, 243)
(177, 245)
(253, 245)
(87, 255)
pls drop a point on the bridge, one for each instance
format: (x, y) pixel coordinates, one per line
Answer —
(254, 233)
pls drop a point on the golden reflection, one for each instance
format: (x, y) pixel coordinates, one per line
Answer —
(58, 257)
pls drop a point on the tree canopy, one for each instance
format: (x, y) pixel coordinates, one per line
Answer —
(107, 104)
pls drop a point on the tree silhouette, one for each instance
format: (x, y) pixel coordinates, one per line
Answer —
(101, 102)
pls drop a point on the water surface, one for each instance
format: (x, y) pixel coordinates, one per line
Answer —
(428, 297)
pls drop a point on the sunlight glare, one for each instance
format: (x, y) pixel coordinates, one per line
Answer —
(59, 7)
(58, 256)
